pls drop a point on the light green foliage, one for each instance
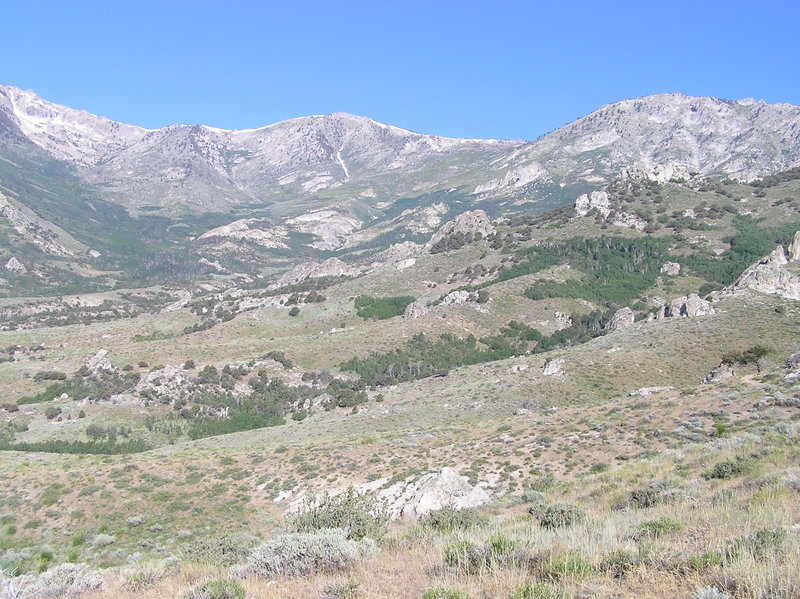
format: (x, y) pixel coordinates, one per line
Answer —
(298, 554)
(449, 519)
(381, 308)
(217, 589)
(220, 550)
(443, 593)
(359, 514)
(538, 590)
(560, 515)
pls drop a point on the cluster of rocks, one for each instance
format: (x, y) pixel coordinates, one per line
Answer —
(473, 221)
(599, 203)
(778, 273)
(690, 306)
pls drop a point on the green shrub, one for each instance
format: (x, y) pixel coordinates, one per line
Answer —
(359, 514)
(298, 554)
(145, 575)
(217, 589)
(661, 526)
(221, 550)
(730, 468)
(567, 565)
(559, 515)
(449, 519)
(705, 561)
(654, 494)
(294, 311)
(538, 590)
(465, 556)
(618, 563)
(344, 590)
(758, 544)
(443, 593)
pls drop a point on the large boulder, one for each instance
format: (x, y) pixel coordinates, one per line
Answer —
(688, 306)
(624, 317)
(474, 221)
(15, 266)
(332, 267)
(553, 367)
(774, 274)
(597, 201)
(99, 365)
(437, 490)
(415, 310)
(671, 268)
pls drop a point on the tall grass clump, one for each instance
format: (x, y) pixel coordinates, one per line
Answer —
(360, 515)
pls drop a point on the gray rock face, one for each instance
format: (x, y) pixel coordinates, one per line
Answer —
(15, 266)
(672, 269)
(437, 490)
(456, 298)
(719, 373)
(775, 274)
(687, 306)
(473, 221)
(553, 367)
(257, 230)
(166, 382)
(597, 201)
(645, 391)
(206, 168)
(415, 310)
(794, 248)
(622, 318)
(99, 364)
(332, 267)
(563, 320)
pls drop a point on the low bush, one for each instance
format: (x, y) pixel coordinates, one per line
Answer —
(654, 494)
(443, 593)
(449, 519)
(359, 514)
(730, 468)
(66, 580)
(538, 590)
(223, 550)
(567, 565)
(560, 515)
(217, 589)
(298, 554)
(660, 527)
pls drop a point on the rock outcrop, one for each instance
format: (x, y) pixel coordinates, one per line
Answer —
(332, 267)
(256, 230)
(415, 310)
(563, 320)
(599, 202)
(99, 364)
(15, 266)
(169, 382)
(622, 318)
(474, 221)
(688, 306)
(456, 298)
(553, 367)
(671, 268)
(774, 274)
(437, 490)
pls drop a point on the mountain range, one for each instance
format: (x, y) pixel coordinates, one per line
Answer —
(337, 182)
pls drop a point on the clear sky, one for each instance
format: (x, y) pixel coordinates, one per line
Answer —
(490, 68)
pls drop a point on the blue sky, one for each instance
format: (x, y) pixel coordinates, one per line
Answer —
(500, 69)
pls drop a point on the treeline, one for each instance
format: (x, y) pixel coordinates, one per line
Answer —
(107, 447)
(381, 308)
(749, 244)
(615, 270)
